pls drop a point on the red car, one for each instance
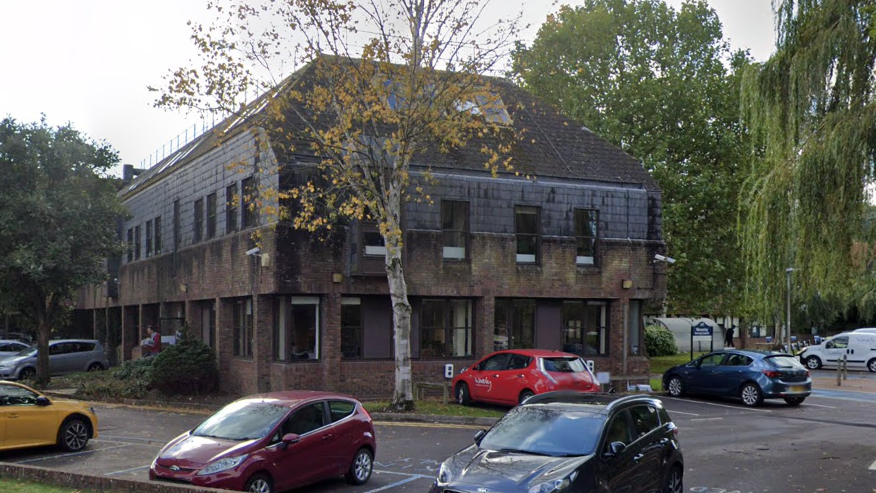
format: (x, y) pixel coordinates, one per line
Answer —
(273, 442)
(510, 376)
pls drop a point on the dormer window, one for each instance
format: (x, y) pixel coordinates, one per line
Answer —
(490, 106)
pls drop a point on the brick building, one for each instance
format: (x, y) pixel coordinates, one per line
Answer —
(563, 261)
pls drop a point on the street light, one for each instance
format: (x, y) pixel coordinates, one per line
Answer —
(788, 272)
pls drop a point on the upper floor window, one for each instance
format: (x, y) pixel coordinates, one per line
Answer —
(527, 226)
(148, 239)
(586, 233)
(211, 215)
(199, 220)
(137, 242)
(130, 244)
(231, 208)
(176, 232)
(158, 244)
(372, 240)
(250, 203)
(454, 224)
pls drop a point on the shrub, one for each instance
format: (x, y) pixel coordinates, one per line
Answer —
(136, 369)
(659, 341)
(187, 367)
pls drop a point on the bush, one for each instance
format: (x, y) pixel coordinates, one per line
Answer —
(140, 369)
(187, 367)
(659, 341)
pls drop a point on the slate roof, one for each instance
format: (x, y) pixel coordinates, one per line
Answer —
(554, 145)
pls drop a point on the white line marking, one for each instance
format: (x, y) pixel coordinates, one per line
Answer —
(126, 470)
(873, 466)
(689, 414)
(397, 483)
(70, 455)
(820, 405)
(707, 419)
(403, 474)
(719, 405)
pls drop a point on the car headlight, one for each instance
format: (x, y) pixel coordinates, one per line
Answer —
(555, 485)
(222, 465)
(444, 475)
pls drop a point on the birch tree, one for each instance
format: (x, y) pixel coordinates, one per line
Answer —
(382, 81)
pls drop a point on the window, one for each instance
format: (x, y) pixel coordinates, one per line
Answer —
(199, 220)
(158, 244)
(515, 324)
(445, 328)
(352, 328)
(341, 409)
(306, 419)
(231, 209)
(454, 223)
(586, 233)
(176, 230)
(17, 396)
(250, 203)
(211, 215)
(242, 319)
(372, 240)
(584, 328)
(618, 430)
(528, 229)
(130, 244)
(645, 420)
(712, 360)
(148, 239)
(498, 362)
(838, 343)
(136, 242)
(490, 106)
(296, 335)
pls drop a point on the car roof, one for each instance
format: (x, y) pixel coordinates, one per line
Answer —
(536, 353)
(750, 352)
(58, 341)
(20, 385)
(596, 403)
(291, 398)
(14, 340)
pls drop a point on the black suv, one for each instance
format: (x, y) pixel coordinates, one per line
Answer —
(567, 442)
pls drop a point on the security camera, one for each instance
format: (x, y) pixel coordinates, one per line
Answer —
(254, 251)
(664, 258)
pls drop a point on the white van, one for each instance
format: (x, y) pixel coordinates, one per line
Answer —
(858, 347)
(865, 330)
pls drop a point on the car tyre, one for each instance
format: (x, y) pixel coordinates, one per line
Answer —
(259, 483)
(751, 395)
(27, 373)
(463, 397)
(73, 434)
(794, 401)
(674, 481)
(526, 394)
(675, 387)
(813, 362)
(871, 365)
(95, 367)
(360, 468)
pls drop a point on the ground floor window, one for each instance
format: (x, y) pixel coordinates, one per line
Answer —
(445, 328)
(242, 316)
(296, 334)
(585, 327)
(352, 328)
(514, 324)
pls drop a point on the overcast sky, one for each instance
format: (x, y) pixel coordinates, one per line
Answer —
(89, 62)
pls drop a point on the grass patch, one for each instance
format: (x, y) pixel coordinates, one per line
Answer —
(656, 384)
(660, 364)
(434, 406)
(15, 486)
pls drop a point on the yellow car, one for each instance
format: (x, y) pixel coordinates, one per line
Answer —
(30, 419)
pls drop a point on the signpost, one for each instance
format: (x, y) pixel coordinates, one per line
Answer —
(701, 329)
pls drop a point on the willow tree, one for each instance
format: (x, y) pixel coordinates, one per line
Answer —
(811, 110)
(382, 82)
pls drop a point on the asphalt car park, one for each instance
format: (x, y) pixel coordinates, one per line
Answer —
(826, 444)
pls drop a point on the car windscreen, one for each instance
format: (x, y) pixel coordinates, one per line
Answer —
(245, 420)
(564, 365)
(30, 351)
(783, 362)
(541, 430)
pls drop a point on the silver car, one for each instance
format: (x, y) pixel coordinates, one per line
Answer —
(11, 347)
(65, 356)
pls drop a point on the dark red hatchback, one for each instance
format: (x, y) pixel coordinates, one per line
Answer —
(273, 442)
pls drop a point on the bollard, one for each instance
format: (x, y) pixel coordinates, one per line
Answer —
(845, 367)
(839, 373)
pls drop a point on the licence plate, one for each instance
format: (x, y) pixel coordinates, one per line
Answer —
(798, 388)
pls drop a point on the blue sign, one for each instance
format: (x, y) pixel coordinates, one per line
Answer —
(701, 329)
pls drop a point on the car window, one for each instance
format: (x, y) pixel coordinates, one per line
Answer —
(306, 419)
(83, 347)
(618, 430)
(785, 362)
(712, 360)
(838, 343)
(341, 409)
(737, 360)
(497, 362)
(564, 365)
(518, 362)
(7, 348)
(60, 348)
(10, 395)
(242, 420)
(664, 416)
(645, 420)
(544, 430)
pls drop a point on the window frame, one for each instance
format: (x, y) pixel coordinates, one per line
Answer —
(449, 210)
(211, 215)
(449, 329)
(249, 198)
(520, 237)
(242, 328)
(284, 331)
(177, 235)
(582, 239)
(148, 238)
(365, 231)
(198, 221)
(137, 242)
(130, 244)
(508, 309)
(158, 243)
(358, 331)
(600, 333)
(231, 201)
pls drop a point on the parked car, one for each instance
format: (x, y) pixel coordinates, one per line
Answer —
(273, 442)
(11, 348)
(859, 349)
(65, 356)
(41, 421)
(510, 376)
(749, 375)
(571, 442)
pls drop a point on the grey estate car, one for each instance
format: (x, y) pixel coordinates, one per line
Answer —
(65, 356)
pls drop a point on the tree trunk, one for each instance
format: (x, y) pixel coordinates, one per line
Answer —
(402, 397)
(44, 331)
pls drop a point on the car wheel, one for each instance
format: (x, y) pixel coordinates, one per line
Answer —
(27, 374)
(360, 469)
(813, 363)
(794, 401)
(95, 367)
(526, 394)
(871, 365)
(462, 395)
(73, 435)
(675, 387)
(751, 395)
(259, 483)
(673, 483)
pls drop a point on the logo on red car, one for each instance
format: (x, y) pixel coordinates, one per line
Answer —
(484, 382)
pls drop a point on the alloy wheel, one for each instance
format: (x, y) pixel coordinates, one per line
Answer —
(362, 467)
(75, 435)
(674, 482)
(751, 395)
(260, 485)
(675, 387)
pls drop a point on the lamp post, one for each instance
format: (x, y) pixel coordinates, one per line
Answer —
(788, 272)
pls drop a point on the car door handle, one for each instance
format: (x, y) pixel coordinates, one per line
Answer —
(519, 376)
(638, 457)
(496, 375)
(326, 438)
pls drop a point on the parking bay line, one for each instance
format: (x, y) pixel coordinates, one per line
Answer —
(412, 477)
(718, 405)
(73, 454)
(873, 466)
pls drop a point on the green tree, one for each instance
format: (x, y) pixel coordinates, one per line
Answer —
(58, 213)
(663, 85)
(811, 110)
(383, 82)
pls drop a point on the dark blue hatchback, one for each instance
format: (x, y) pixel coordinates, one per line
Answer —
(751, 376)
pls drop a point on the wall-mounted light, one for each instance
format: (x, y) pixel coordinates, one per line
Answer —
(337, 277)
(627, 283)
(184, 288)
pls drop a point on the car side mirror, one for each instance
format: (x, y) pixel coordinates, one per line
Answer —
(479, 435)
(42, 401)
(291, 438)
(615, 449)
